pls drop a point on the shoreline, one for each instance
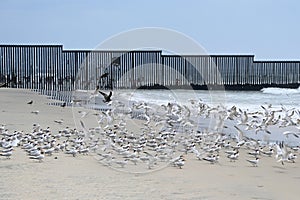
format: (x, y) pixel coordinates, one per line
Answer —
(236, 87)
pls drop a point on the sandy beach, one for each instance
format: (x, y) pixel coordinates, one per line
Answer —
(62, 176)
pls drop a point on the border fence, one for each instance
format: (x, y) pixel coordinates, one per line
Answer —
(50, 67)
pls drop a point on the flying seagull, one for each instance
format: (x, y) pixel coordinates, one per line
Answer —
(107, 97)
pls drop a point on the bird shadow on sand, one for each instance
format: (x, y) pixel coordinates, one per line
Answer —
(279, 167)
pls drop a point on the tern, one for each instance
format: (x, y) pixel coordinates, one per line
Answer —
(39, 157)
(282, 153)
(179, 163)
(287, 133)
(7, 154)
(212, 159)
(292, 157)
(254, 162)
(73, 152)
(233, 157)
(268, 153)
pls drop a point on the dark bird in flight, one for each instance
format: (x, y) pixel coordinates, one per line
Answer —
(107, 97)
(30, 102)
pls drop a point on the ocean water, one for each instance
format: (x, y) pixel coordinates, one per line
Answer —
(246, 100)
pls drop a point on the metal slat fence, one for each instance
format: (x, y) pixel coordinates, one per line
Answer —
(49, 67)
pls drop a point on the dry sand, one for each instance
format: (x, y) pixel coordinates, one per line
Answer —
(83, 177)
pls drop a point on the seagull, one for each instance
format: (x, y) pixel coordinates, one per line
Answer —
(49, 151)
(6, 154)
(233, 157)
(287, 133)
(254, 162)
(107, 97)
(212, 159)
(84, 151)
(7, 149)
(39, 157)
(292, 157)
(268, 153)
(254, 153)
(239, 136)
(30, 102)
(244, 118)
(35, 152)
(145, 116)
(73, 152)
(179, 163)
(282, 153)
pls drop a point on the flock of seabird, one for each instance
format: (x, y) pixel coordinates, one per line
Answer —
(144, 136)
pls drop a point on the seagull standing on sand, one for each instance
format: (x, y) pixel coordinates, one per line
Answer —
(233, 157)
(39, 157)
(179, 162)
(212, 159)
(282, 153)
(254, 162)
(6, 154)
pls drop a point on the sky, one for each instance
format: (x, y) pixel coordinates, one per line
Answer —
(268, 29)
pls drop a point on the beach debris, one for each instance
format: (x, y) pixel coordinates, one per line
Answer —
(35, 112)
(63, 104)
(59, 121)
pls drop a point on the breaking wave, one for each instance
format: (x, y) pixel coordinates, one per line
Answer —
(274, 90)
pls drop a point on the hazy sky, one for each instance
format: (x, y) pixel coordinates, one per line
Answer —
(269, 29)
